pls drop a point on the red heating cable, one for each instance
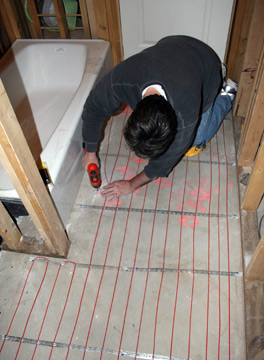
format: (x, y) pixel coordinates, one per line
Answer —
(208, 258)
(65, 304)
(19, 301)
(163, 265)
(219, 252)
(147, 276)
(102, 275)
(193, 276)
(228, 248)
(33, 305)
(179, 259)
(96, 235)
(119, 264)
(47, 307)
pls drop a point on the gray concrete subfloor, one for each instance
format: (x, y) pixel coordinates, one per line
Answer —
(156, 274)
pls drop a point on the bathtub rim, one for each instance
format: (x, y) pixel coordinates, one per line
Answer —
(18, 45)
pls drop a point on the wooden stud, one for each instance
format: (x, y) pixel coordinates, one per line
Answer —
(114, 28)
(253, 126)
(35, 27)
(230, 30)
(61, 17)
(91, 16)
(255, 187)
(8, 229)
(251, 59)
(255, 268)
(10, 20)
(85, 19)
(239, 37)
(19, 164)
(5, 41)
(101, 19)
(107, 16)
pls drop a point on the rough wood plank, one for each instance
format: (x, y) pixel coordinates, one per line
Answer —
(230, 31)
(85, 19)
(35, 27)
(61, 17)
(30, 245)
(239, 37)
(255, 268)
(11, 20)
(22, 170)
(8, 229)
(114, 26)
(255, 187)
(92, 20)
(253, 126)
(251, 60)
(108, 22)
(101, 19)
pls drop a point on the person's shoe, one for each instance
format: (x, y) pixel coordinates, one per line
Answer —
(195, 150)
(230, 89)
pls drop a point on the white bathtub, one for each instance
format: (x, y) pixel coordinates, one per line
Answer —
(47, 82)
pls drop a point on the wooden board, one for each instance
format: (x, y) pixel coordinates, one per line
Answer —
(251, 60)
(35, 27)
(253, 126)
(255, 268)
(10, 19)
(107, 17)
(18, 162)
(60, 15)
(255, 187)
(114, 28)
(101, 19)
(8, 229)
(85, 19)
(239, 37)
(91, 16)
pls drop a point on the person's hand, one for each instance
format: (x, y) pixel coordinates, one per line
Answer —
(116, 189)
(90, 158)
(124, 187)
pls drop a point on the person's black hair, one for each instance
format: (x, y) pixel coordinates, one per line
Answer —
(151, 127)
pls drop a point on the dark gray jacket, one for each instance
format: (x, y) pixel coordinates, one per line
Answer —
(189, 72)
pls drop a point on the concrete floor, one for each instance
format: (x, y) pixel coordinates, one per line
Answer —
(158, 274)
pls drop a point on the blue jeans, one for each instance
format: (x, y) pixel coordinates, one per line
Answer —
(211, 120)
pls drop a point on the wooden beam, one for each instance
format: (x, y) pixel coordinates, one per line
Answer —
(22, 170)
(61, 17)
(239, 37)
(255, 187)
(114, 28)
(85, 19)
(11, 20)
(35, 26)
(255, 268)
(92, 20)
(230, 31)
(22, 19)
(253, 126)
(251, 60)
(8, 229)
(101, 19)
